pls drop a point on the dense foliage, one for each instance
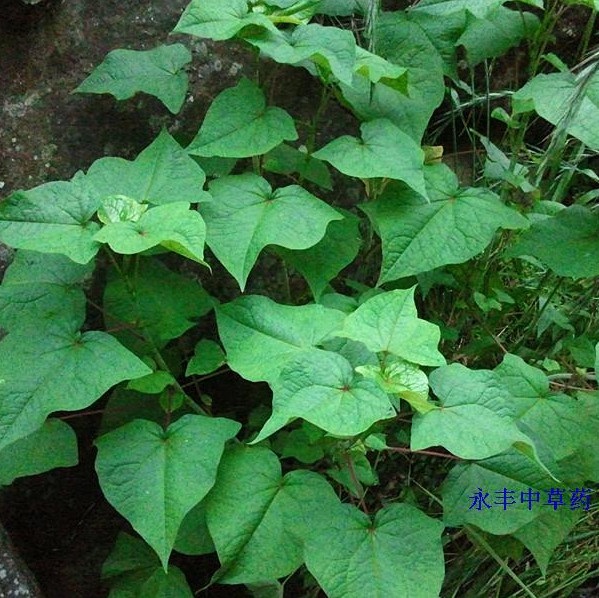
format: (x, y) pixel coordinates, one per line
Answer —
(433, 379)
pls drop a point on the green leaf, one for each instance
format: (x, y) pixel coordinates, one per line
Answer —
(522, 380)
(443, 34)
(496, 33)
(565, 100)
(42, 288)
(219, 19)
(418, 236)
(162, 173)
(290, 217)
(377, 69)
(207, 358)
(173, 226)
(330, 48)
(405, 43)
(568, 242)
(398, 554)
(513, 471)
(52, 218)
(156, 303)
(499, 167)
(396, 376)
(479, 8)
(389, 322)
(476, 419)
(565, 426)
(260, 335)
(193, 537)
(133, 571)
(583, 462)
(258, 519)
(53, 445)
(322, 388)
(153, 383)
(384, 151)
(285, 159)
(158, 72)
(238, 124)
(153, 477)
(342, 8)
(543, 535)
(322, 263)
(300, 444)
(124, 406)
(56, 369)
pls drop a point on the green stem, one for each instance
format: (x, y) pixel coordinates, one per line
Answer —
(586, 36)
(503, 564)
(163, 365)
(536, 320)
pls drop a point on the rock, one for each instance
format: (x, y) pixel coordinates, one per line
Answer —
(16, 581)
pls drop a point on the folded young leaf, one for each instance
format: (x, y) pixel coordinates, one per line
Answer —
(172, 225)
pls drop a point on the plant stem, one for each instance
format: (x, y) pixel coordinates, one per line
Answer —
(163, 365)
(406, 450)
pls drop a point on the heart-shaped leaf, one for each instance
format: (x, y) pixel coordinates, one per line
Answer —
(322, 388)
(290, 217)
(389, 322)
(219, 19)
(352, 556)
(258, 518)
(384, 151)
(57, 369)
(42, 288)
(418, 236)
(476, 419)
(158, 72)
(155, 477)
(52, 218)
(53, 445)
(238, 124)
(162, 173)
